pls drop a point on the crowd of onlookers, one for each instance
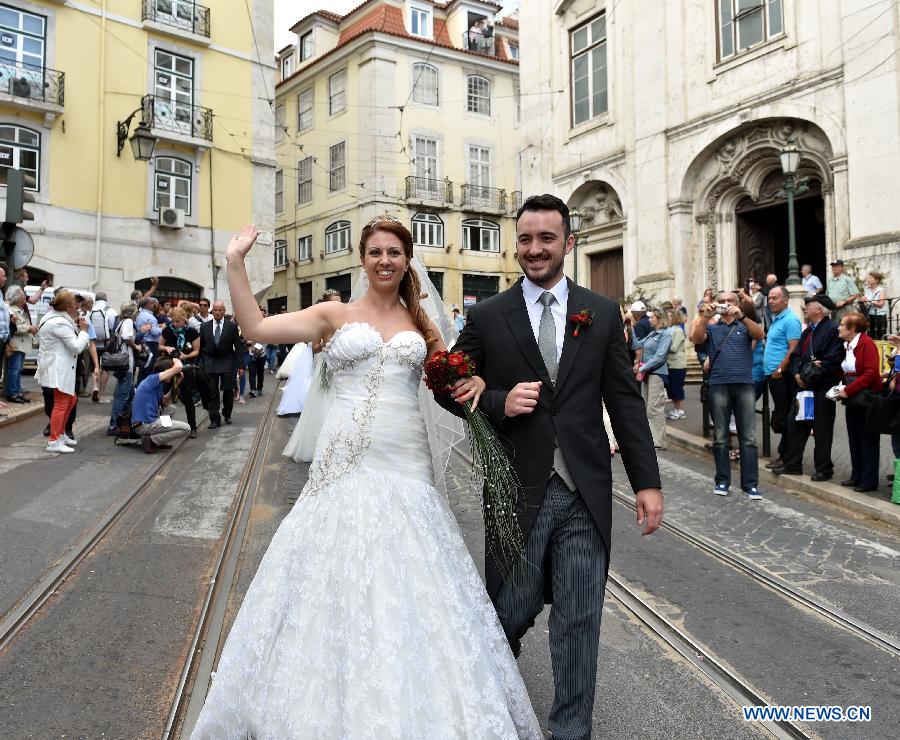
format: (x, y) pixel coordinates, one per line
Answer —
(158, 353)
(749, 342)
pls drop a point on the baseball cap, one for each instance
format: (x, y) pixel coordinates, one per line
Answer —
(638, 306)
(837, 262)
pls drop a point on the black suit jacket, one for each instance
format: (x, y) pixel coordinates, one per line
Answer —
(227, 355)
(593, 368)
(826, 345)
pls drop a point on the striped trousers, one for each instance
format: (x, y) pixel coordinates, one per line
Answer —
(565, 530)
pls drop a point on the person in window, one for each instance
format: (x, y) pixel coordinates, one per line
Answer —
(862, 373)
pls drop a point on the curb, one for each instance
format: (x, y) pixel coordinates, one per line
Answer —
(851, 501)
(21, 415)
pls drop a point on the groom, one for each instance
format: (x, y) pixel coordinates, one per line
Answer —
(544, 392)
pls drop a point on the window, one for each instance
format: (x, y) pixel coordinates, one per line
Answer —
(513, 50)
(305, 110)
(337, 92)
(479, 95)
(337, 237)
(478, 167)
(22, 41)
(304, 180)
(589, 78)
(280, 253)
(306, 46)
(420, 22)
(306, 294)
(287, 67)
(279, 191)
(437, 280)
(179, 13)
(481, 236)
(745, 23)
(304, 248)
(479, 288)
(427, 230)
(425, 152)
(20, 149)
(336, 168)
(279, 124)
(340, 283)
(173, 184)
(174, 91)
(425, 81)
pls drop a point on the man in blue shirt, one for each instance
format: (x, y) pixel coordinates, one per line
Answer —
(147, 315)
(811, 284)
(155, 432)
(731, 388)
(784, 334)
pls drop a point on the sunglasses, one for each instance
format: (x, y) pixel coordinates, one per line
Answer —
(378, 219)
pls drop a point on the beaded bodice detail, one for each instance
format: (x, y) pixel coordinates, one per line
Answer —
(376, 385)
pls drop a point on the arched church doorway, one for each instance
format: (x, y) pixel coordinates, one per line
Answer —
(762, 231)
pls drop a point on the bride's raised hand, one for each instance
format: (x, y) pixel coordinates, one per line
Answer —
(241, 242)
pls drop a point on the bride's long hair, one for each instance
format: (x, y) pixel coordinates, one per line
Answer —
(410, 288)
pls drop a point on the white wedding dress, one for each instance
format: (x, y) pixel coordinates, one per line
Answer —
(367, 617)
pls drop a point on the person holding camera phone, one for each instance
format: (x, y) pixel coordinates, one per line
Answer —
(731, 387)
(157, 432)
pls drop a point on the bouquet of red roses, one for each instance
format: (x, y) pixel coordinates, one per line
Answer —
(489, 456)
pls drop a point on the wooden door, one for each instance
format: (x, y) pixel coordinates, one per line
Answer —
(608, 274)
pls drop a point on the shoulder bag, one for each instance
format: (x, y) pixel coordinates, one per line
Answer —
(704, 384)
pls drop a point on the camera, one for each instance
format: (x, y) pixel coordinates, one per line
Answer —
(721, 309)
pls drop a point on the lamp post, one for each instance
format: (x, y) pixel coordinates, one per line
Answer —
(576, 218)
(790, 163)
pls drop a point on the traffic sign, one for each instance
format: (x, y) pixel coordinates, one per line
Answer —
(22, 248)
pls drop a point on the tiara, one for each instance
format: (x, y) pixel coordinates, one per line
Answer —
(386, 217)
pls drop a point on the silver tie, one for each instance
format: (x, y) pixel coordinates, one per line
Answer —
(218, 333)
(547, 335)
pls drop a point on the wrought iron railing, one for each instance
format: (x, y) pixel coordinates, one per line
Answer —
(476, 41)
(429, 188)
(182, 14)
(32, 83)
(177, 118)
(478, 195)
(515, 201)
(880, 325)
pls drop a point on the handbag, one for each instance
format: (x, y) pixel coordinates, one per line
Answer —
(704, 384)
(809, 372)
(117, 355)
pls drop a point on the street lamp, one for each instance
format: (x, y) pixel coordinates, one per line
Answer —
(576, 219)
(142, 140)
(790, 163)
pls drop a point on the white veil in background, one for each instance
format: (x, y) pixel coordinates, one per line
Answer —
(443, 428)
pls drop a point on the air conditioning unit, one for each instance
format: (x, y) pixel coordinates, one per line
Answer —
(171, 218)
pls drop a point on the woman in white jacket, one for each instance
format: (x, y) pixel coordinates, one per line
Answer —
(62, 336)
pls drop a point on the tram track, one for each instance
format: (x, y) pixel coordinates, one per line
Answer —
(43, 590)
(856, 627)
(201, 655)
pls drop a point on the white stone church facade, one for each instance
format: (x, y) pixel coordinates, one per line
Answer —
(662, 120)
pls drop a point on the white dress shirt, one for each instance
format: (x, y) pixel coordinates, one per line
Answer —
(849, 363)
(558, 308)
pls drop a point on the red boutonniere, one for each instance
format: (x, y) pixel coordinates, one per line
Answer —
(582, 320)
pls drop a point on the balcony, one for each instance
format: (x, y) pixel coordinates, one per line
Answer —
(182, 18)
(515, 201)
(32, 88)
(431, 190)
(178, 122)
(480, 198)
(476, 41)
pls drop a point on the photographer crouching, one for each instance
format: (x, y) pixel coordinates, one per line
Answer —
(157, 432)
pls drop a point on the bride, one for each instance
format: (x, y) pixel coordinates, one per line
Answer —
(367, 617)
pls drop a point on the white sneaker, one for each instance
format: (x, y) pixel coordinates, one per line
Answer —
(58, 446)
(67, 440)
(673, 415)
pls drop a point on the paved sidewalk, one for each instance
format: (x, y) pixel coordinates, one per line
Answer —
(17, 411)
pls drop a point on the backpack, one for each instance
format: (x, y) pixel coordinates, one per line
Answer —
(101, 324)
(116, 355)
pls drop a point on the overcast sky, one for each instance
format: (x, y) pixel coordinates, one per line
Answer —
(288, 12)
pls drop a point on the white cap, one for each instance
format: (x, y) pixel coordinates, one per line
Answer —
(638, 306)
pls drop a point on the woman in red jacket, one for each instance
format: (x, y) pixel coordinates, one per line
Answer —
(862, 372)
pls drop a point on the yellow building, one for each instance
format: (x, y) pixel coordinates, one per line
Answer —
(71, 72)
(406, 107)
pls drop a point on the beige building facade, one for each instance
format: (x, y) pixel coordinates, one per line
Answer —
(406, 108)
(663, 121)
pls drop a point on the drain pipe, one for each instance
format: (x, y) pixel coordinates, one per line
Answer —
(212, 234)
(100, 130)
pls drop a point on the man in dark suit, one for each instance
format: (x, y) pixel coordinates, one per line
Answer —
(544, 393)
(222, 352)
(817, 356)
